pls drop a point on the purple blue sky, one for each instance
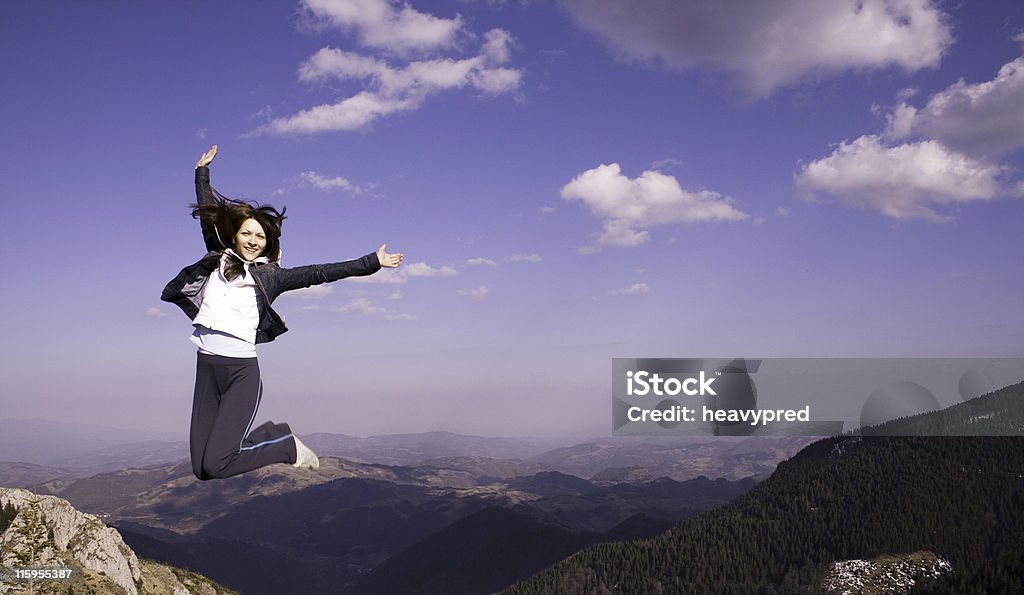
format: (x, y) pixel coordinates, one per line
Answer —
(570, 181)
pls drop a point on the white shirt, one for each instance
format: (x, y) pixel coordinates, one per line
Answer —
(231, 309)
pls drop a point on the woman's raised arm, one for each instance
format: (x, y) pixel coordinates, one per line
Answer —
(204, 196)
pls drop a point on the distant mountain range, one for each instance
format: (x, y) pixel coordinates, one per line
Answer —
(68, 450)
(83, 449)
(56, 443)
(413, 449)
(907, 514)
(629, 458)
(22, 475)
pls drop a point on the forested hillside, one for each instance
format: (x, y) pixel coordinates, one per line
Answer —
(849, 497)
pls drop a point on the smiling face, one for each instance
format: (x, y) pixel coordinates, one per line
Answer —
(250, 240)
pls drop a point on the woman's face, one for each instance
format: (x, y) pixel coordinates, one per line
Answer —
(250, 240)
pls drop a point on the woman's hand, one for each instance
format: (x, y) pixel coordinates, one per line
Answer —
(388, 260)
(207, 157)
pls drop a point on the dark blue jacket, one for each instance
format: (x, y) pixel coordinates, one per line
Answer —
(186, 289)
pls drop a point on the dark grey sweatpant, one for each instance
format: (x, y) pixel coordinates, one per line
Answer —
(228, 392)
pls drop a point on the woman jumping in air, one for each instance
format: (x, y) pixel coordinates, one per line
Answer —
(227, 295)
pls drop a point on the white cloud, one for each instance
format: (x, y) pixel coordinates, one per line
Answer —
(547, 210)
(328, 63)
(495, 81)
(201, 133)
(980, 120)
(663, 163)
(263, 113)
(362, 306)
(782, 211)
(769, 44)
(477, 294)
(155, 312)
(497, 46)
(618, 232)
(949, 153)
(315, 292)
(525, 258)
(481, 262)
(392, 88)
(382, 25)
(333, 183)
(395, 295)
(901, 122)
(382, 277)
(402, 274)
(627, 206)
(905, 181)
(366, 307)
(422, 269)
(352, 113)
(634, 289)
(317, 181)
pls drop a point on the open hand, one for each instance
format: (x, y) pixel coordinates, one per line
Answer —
(207, 157)
(388, 260)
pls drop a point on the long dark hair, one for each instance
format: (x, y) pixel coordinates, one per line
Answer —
(224, 216)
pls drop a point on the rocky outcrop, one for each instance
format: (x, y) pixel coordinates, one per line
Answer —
(883, 575)
(48, 531)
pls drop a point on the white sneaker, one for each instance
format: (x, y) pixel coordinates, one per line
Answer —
(304, 456)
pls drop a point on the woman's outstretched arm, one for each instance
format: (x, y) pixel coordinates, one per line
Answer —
(315, 274)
